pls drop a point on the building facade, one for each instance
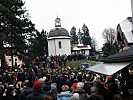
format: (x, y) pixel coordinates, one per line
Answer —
(58, 40)
(125, 34)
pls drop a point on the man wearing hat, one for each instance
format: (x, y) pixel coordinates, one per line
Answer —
(37, 93)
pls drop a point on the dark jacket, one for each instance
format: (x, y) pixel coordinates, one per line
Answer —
(36, 95)
(10, 97)
(96, 97)
(112, 90)
(1, 97)
(87, 87)
(25, 93)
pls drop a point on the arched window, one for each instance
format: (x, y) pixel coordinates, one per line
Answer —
(59, 44)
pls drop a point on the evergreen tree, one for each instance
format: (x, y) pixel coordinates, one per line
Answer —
(86, 39)
(74, 37)
(109, 49)
(38, 45)
(80, 36)
(15, 25)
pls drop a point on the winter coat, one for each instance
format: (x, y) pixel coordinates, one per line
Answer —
(25, 93)
(65, 95)
(1, 97)
(112, 90)
(10, 97)
(87, 87)
(36, 95)
(96, 97)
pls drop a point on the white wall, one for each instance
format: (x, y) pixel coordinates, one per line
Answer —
(87, 52)
(132, 12)
(53, 46)
(132, 8)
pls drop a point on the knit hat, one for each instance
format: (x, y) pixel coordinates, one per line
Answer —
(37, 85)
(74, 86)
(41, 80)
(109, 77)
(80, 85)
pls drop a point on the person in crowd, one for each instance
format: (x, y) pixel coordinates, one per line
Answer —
(124, 81)
(95, 94)
(99, 85)
(87, 87)
(74, 85)
(46, 89)
(54, 91)
(80, 91)
(37, 93)
(65, 94)
(75, 96)
(10, 93)
(68, 82)
(47, 97)
(112, 87)
(26, 90)
(1, 91)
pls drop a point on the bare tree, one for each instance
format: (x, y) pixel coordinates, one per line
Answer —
(94, 43)
(109, 35)
(110, 46)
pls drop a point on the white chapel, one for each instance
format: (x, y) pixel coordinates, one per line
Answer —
(58, 40)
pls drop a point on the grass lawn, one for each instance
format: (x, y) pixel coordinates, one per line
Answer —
(75, 64)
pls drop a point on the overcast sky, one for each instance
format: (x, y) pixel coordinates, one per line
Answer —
(96, 14)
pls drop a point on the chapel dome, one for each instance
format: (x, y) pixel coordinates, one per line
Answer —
(58, 32)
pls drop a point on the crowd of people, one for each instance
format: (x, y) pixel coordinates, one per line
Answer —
(44, 80)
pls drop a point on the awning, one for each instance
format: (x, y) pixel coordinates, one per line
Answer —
(108, 68)
(124, 56)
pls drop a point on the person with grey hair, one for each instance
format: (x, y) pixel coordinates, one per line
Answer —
(80, 91)
(75, 96)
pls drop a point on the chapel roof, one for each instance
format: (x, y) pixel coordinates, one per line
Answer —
(58, 32)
